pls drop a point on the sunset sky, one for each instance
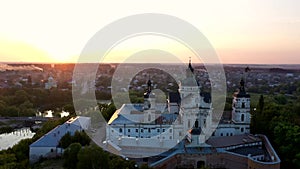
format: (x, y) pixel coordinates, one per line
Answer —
(251, 32)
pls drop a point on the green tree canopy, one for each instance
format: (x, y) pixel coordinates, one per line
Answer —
(92, 157)
(70, 156)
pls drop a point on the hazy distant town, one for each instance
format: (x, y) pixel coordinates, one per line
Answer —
(264, 79)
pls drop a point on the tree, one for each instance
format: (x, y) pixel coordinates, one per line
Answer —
(70, 156)
(20, 97)
(81, 137)
(69, 108)
(8, 161)
(116, 162)
(280, 99)
(92, 157)
(107, 110)
(261, 103)
(21, 149)
(11, 111)
(66, 140)
(287, 136)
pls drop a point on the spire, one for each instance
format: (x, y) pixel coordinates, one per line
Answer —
(242, 85)
(190, 65)
(190, 69)
(148, 91)
(149, 85)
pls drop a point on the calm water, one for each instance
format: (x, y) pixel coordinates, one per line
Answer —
(10, 139)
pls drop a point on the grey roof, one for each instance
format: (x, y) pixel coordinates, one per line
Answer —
(189, 81)
(253, 150)
(118, 119)
(226, 141)
(166, 119)
(122, 120)
(52, 138)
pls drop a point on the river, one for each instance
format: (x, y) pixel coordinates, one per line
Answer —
(10, 139)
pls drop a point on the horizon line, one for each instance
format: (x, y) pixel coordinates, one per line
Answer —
(5, 62)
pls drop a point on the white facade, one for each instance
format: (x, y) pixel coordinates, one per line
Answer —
(140, 130)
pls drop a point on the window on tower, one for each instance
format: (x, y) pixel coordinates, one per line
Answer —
(242, 117)
(243, 105)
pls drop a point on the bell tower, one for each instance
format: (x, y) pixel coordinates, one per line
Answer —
(149, 104)
(189, 91)
(241, 105)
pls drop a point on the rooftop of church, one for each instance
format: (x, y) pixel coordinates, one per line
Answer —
(227, 141)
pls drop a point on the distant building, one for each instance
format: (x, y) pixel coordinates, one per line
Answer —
(174, 133)
(47, 145)
(51, 83)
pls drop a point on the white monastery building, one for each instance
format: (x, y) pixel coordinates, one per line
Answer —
(171, 131)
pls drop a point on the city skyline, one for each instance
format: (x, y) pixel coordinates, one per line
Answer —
(247, 33)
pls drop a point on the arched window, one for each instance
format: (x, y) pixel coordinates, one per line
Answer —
(120, 130)
(242, 130)
(196, 124)
(243, 105)
(242, 117)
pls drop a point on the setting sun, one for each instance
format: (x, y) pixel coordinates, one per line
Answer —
(240, 32)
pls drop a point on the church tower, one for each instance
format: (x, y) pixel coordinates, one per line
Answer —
(149, 104)
(190, 89)
(241, 108)
(190, 98)
(149, 97)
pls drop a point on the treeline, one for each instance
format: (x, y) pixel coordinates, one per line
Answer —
(292, 89)
(26, 102)
(92, 156)
(278, 117)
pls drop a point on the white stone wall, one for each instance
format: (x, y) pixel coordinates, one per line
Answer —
(37, 152)
(164, 132)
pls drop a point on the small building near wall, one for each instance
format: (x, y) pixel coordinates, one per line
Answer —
(51, 83)
(47, 145)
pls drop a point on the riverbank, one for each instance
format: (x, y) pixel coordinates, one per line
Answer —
(10, 139)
